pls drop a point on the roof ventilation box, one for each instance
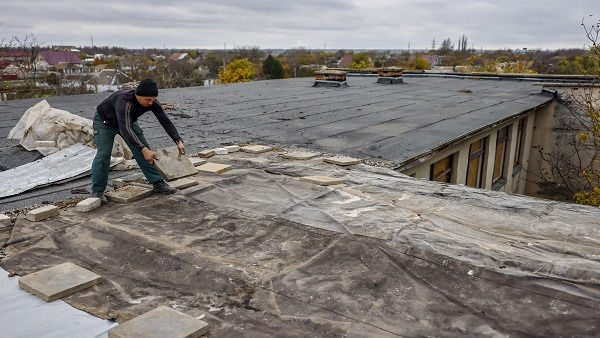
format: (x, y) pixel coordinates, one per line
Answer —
(390, 75)
(330, 78)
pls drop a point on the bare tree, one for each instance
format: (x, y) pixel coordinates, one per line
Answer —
(572, 170)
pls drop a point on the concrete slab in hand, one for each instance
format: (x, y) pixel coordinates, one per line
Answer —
(256, 149)
(323, 180)
(183, 183)
(206, 153)
(161, 322)
(342, 160)
(221, 151)
(58, 281)
(197, 161)
(4, 221)
(300, 155)
(42, 213)
(88, 204)
(172, 164)
(232, 149)
(213, 168)
(128, 194)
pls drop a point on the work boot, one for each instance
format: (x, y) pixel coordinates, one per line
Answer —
(163, 188)
(100, 195)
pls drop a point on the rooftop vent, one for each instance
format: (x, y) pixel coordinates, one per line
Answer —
(390, 75)
(330, 78)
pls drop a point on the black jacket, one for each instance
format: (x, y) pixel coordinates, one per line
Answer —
(121, 109)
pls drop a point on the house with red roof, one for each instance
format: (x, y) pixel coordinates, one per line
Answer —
(61, 59)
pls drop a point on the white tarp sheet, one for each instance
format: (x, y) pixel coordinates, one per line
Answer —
(25, 315)
(44, 123)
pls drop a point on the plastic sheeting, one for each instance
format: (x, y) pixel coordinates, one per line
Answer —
(44, 123)
(25, 315)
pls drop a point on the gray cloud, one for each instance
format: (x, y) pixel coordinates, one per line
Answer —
(309, 23)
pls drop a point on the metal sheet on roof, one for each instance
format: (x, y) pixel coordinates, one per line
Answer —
(65, 164)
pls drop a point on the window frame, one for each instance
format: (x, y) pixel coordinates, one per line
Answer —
(480, 154)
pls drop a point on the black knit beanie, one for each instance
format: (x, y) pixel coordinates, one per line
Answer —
(147, 88)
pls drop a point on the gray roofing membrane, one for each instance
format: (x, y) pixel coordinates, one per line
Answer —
(257, 252)
(365, 119)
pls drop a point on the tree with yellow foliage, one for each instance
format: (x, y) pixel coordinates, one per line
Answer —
(361, 61)
(241, 70)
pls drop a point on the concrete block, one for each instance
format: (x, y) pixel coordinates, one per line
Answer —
(161, 322)
(42, 213)
(323, 180)
(58, 281)
(206, 153)
(221, 151)
(196, 161)
(45, 144)
(232, 149)
(4, 221)
(128, 194)
(342, 160)
(88, 204)
(172, 164)
(183, 183)
(256, 149)
(300, 155)
(213, 168)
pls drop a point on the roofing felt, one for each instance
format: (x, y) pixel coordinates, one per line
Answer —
(368, 120)
(258, 252)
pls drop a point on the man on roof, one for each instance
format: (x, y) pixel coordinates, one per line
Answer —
(118, 114)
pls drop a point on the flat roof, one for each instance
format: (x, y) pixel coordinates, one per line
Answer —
(395, 123)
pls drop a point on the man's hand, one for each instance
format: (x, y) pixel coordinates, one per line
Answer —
(181, 147)
(149, 155)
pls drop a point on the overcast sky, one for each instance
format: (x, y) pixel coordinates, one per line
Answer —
(336, 24)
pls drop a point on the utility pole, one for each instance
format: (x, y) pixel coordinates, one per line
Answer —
(92, 38)
(433, 44)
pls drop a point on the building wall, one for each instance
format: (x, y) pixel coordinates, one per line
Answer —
(515, 177)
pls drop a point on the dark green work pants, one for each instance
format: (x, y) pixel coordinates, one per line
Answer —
(104, 136)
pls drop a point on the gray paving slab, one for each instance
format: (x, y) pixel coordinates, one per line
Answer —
(256, 149)
(342, 160)
(58, 281)
(300, 155)
(206, 153)
(88, 204)
(213, 168)
(42, 213)
(172, 164)
(232, 149)
(196, 161)
(128, 194)
(183, 183)
(159, 323)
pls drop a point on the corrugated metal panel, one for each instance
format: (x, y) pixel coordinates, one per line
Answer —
(62, 165)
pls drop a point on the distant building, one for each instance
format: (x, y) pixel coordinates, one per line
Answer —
(53, 58)
(345, 61)
(108, 80)
(179, 56)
